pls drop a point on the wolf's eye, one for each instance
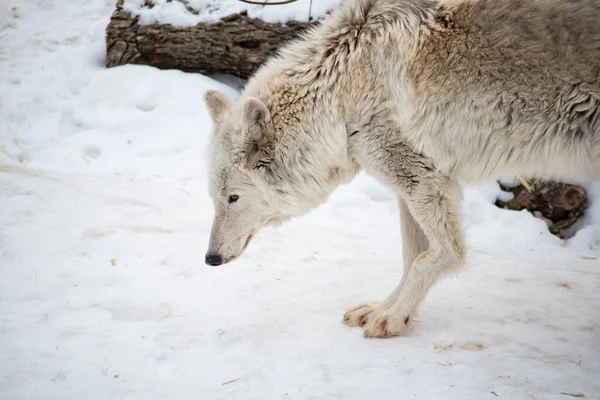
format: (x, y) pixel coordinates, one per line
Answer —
(233, 198)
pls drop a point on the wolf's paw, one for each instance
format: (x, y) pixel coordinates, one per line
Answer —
(386, 323)
(378, 320)
(360, 315)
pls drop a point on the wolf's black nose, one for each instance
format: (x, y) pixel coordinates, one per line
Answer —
(214, 260)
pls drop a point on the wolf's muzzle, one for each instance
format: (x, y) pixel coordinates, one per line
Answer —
(213, 259)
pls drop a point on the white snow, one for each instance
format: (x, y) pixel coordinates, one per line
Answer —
(179, 14)
(100, 166)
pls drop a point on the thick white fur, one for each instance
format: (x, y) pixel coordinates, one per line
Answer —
(419, 94)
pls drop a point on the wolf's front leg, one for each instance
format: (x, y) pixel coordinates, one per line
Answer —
(414, 242)
(433, 199)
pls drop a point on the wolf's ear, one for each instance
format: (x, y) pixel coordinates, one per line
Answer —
(257, 133)
(217, 103)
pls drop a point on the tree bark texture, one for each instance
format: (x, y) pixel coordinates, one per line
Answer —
(235, 45)
(560, 204)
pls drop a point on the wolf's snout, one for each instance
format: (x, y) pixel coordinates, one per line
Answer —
(213, 259)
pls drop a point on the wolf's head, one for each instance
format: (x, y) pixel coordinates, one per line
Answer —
(265, 171)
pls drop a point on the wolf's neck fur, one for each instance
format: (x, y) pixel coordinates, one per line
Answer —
(321, 85)
(361, 35)
(336, 67)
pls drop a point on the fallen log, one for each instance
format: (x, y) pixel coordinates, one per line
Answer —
(235, 45)
(560, 204)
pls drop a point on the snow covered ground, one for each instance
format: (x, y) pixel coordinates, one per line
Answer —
(104, 221)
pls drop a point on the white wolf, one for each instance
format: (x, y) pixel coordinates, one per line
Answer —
(419, 94)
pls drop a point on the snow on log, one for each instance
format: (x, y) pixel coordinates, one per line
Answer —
(234, 44)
